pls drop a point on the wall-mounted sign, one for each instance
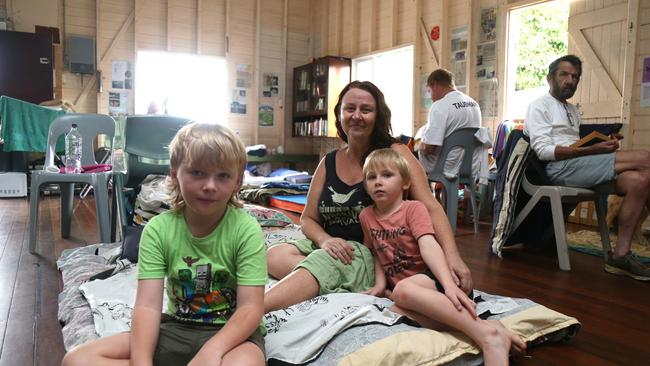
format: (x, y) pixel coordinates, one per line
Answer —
(435, 33)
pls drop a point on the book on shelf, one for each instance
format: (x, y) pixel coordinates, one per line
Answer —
(593, 137)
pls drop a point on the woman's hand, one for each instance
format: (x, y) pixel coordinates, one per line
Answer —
(460, 273)
(338, 248)
(376, 291)
(460, 300)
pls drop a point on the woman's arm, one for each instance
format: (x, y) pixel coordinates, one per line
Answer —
(420, 191)
(146, 321)
(240, 326)
(311, 225)
(435, 259)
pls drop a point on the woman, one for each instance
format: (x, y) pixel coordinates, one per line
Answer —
(333, 259)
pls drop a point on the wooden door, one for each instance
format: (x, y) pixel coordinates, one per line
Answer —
(598, 32)
(26, 66)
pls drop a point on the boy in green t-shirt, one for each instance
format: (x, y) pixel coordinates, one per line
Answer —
(214, 258)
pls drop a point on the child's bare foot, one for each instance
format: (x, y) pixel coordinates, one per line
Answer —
(518, 345)
(497, 342)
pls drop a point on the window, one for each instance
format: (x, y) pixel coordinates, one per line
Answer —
(392, 72)
(182, 85)
(537, 35)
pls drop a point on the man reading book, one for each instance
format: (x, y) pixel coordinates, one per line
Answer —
(553, 125)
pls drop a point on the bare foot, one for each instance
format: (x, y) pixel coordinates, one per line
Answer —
(516, 342)
(495, 346)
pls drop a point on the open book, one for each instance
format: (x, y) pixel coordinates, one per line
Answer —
(592, 138)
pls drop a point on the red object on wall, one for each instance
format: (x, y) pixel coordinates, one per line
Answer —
(435, 33)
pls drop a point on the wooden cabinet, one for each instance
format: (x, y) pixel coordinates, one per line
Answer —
(26, 66)
(316, 87)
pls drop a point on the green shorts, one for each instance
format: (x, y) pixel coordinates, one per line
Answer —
(332, 275)
(178, 342)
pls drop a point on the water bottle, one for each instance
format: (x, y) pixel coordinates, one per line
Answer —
(73, 151)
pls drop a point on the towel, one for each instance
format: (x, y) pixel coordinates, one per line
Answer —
(25, 125)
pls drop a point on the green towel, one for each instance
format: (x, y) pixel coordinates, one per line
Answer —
(25, 125)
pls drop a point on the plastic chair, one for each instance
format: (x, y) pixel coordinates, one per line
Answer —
(89, 125)
(465, 139)
(146, 138)
(562, 200)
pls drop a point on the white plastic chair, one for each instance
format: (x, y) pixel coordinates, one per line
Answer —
(559, 198)
(465, 139)
(89, 125)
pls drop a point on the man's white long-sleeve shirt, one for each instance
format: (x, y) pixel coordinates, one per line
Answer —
(547, 124)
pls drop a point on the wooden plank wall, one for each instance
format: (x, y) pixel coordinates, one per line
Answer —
(640, 119)
(355, 28)
(222, 28)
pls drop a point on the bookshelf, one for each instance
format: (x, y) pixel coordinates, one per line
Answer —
(315, 91)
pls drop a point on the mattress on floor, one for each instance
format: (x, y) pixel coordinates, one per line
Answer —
(294, 203)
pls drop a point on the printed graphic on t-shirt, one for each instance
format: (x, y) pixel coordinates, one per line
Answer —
(340, 198)
(200, 294)
(343, 216)
(387, 239)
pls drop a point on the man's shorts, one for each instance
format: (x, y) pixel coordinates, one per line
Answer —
(332, 275)
(178, 342)
(585, 171)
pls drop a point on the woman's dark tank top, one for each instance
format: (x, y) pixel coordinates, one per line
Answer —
(340, 204)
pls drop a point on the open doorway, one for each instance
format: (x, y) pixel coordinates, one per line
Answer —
(537, 35)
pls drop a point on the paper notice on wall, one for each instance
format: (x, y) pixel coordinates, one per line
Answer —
(244, 75)
(118, 103)
(122, 76)
(266, 115)
(487, 98)
(645, 83)
(238, 104)
(488, 25)
(270, 85)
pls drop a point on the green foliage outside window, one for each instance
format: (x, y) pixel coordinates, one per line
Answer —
(543, 37)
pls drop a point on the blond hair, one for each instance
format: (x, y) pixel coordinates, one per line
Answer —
(387, 157)
(202, 143)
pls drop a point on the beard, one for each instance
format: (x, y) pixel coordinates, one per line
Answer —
(562, 93)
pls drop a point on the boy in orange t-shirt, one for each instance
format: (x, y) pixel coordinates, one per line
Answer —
(410, 267)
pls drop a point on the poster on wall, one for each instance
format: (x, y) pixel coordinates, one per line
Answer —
(118, 103)
(269, 85)
(487, 98)
(645, 83)
(266, 115)
(238, 104)
(488, 25)
(122, 76)
(244, 74)
(458, 62)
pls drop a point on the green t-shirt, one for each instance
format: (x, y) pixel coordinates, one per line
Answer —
(203, 273)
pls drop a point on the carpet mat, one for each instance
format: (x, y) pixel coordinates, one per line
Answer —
(587, 241)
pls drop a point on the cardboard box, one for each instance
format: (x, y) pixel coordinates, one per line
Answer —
(13, 185)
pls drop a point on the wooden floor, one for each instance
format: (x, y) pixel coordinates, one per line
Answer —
(614, 311)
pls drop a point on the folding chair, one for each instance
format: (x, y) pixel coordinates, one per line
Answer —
(146, 139)
(90, 126)
(465, 139)
(562, 200)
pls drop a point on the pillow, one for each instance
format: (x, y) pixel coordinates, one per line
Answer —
(268, 216)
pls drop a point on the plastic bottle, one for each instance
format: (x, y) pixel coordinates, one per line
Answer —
(73, 151)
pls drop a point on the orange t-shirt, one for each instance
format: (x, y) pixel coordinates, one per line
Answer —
(394, 239)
